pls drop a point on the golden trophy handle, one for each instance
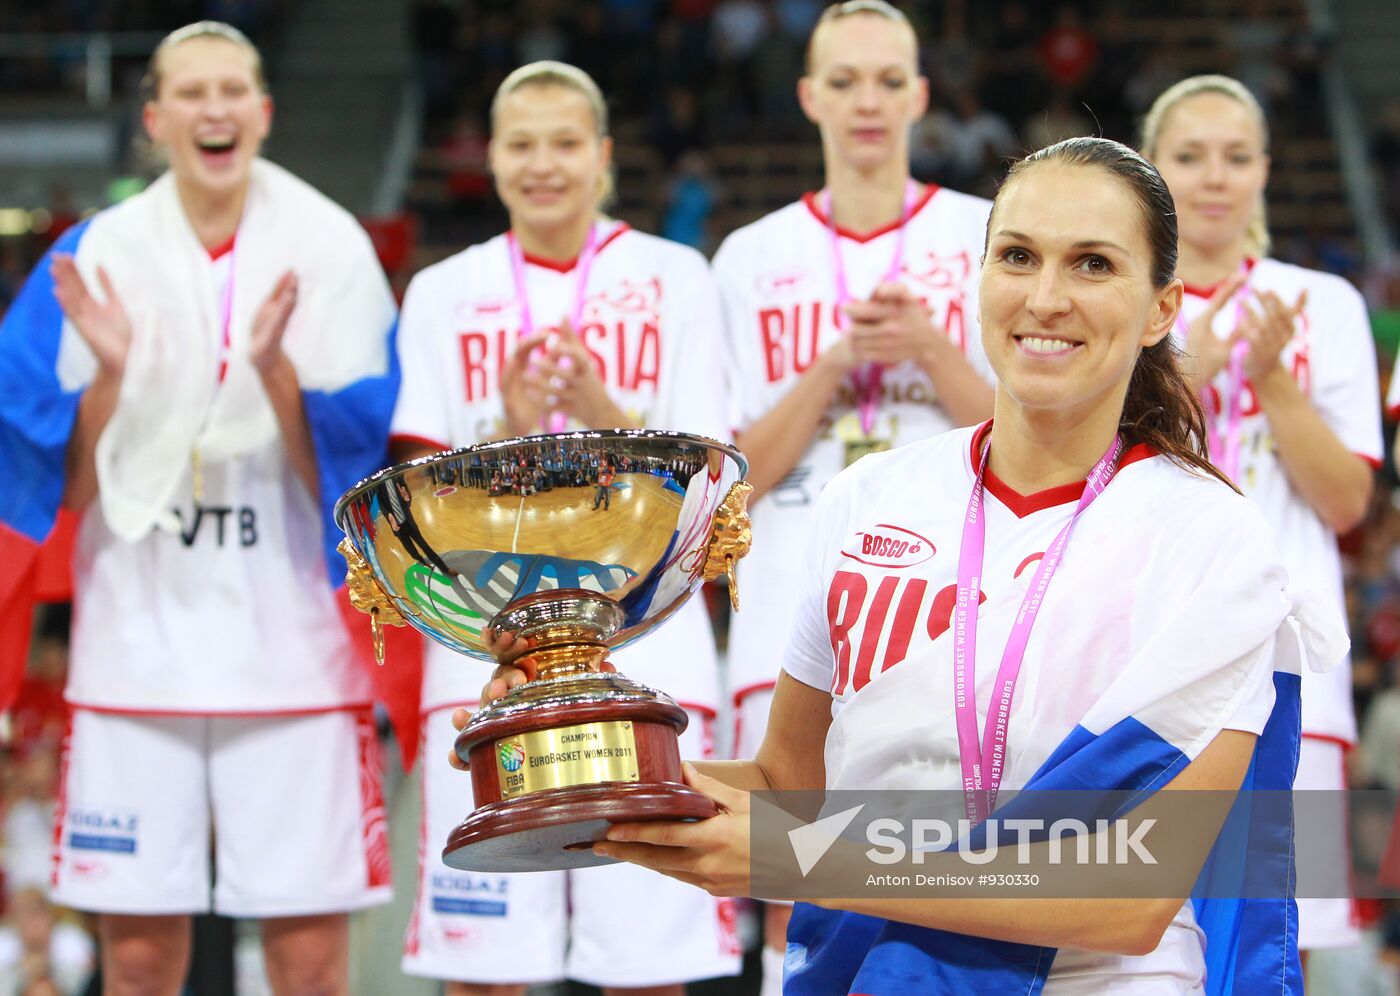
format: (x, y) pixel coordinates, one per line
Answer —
(367, 596)
(730, 538)
(376, 632)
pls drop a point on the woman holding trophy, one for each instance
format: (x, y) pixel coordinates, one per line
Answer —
(1147, 639)
(569, 320)
(852, 327)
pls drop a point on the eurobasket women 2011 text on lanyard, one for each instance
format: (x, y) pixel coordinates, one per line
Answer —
(983, 757)
(552, 421)
(867, 378)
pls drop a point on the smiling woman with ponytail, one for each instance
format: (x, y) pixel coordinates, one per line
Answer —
(1148, 642)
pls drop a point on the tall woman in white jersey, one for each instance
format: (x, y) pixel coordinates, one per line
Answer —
(852, 325)
(1067, 597)
(569, 319)
(222, 754)
(1284, 360)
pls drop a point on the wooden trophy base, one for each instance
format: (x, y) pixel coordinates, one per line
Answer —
(556, 828)
(556, 761)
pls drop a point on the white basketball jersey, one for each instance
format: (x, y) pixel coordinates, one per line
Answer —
(877, 598)
(1167, 607)
(778, 281)
(1333, 361)
(651, 321)
(230, 613)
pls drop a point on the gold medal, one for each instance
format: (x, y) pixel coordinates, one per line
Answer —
(197, 475)
(857, 444)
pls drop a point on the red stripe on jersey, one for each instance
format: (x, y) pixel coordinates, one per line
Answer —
(60, 808)
(1023, 505)
(704, 710)
(216, 714)
(412, 937)
(1196, 290)
(223, 248)
(810, 199)
(707, 735)
(19, 566)
(739, 696)
(728, 914)
(745, 691)
(1329, 738)
(373, 817)
(1369, 460)
(1354, 908)
(471, 705)
(565, 265)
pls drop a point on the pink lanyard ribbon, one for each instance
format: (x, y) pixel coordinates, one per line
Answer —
(552, 421)
(225, 349)
(983, 759)
(1225, 447)
(867, 378)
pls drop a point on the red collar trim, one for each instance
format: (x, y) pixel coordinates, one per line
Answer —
(223, 248)
(564, 266)
(1023, 505)
(1209, 292)
(810, 199)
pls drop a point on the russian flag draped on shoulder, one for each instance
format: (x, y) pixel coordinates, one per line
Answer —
(340, 340)
(36, 419)
(1210, 654)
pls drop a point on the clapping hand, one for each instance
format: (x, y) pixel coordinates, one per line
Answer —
(270, 323)
(891, 327)
(1268, 330)
(1206, 352)
(104, 325)
(575, 386)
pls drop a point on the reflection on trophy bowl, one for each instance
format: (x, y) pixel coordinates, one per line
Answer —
(546, 553)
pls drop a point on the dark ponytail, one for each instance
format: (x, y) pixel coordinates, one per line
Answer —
(1160, 409)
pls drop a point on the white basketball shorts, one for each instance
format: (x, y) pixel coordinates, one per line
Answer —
(261, 816)
(615, 925)
(1323, 836)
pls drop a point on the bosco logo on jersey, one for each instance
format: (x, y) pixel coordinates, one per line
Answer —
(888, 546)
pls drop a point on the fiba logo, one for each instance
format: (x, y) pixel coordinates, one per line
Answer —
(511, 754)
